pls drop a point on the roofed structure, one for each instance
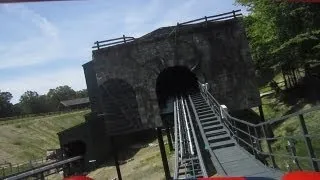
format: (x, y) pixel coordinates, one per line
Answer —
(79, 102)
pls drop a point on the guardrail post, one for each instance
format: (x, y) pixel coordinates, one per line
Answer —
(251, 142)
(257, 139)
(115, 156)
(234, 14)
(206, 19)
(124, 39)
(269, 148)
(268, 131)
(308, 142)
(98, 46)
(163, 154)
(291, 148)
(235, 131)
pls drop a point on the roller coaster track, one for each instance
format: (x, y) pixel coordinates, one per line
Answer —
(205, 132)
(202, 127)
(193, 115)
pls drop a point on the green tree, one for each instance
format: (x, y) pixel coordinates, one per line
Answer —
(82, 93)
(279, 31)
(32, 103)
(28, 102)
(6, 107)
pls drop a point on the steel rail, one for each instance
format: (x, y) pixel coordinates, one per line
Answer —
(176, 147)
(186, 122)
(179, 128)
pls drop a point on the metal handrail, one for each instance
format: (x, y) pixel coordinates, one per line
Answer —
(42, 169)
(255, 139)
(213, 100)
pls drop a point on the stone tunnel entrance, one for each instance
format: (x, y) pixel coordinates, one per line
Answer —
(175, 81)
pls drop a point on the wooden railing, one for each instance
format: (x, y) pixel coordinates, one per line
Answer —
(110, 42)
(206, 19)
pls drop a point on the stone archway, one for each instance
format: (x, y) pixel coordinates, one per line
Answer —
(120, 107)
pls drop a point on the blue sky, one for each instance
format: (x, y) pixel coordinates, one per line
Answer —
(43, 45)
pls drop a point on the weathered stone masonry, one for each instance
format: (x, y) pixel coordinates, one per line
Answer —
(216, 52)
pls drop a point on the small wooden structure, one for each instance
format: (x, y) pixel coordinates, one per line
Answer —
(78, 103)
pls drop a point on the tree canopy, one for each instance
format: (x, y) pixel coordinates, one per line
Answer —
(282, 33)
(31, 102)
(6, 108)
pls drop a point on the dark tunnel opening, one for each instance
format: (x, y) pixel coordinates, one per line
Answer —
(175, 81)
(74, 148)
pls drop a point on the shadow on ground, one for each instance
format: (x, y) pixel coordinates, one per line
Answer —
(306, 92)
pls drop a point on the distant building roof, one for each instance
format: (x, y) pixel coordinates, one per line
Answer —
(73, 102)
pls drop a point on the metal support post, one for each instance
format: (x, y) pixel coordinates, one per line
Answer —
(115, 156)
(269, 149)
(268, 131)
(163, 154)
(307, 140)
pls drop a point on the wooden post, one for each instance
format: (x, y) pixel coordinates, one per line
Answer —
(124, 39)
(163, 154)
(98, 46)
(234, 14)
(206, 21)
(115, 156)
(308, 143)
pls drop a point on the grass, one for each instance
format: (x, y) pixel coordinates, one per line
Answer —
(29, 138)
(274, 108)
(146, 164)
(292, 127)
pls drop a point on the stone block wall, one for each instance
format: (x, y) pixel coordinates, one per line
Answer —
(217, 53)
